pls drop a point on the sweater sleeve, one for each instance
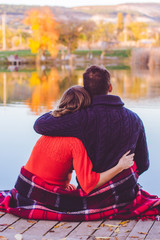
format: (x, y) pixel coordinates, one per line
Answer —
(67, 125)
(83, 167)
(141, 152)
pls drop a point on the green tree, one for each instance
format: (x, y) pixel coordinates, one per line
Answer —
(89, 33)
(69, 35)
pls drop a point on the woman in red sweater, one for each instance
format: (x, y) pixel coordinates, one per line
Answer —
(54, 158)
(43, 189)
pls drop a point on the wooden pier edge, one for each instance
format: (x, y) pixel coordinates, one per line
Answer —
(15, 228)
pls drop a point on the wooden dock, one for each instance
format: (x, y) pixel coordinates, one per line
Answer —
(12, 227)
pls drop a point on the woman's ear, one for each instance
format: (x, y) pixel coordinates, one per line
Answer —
(110, 88)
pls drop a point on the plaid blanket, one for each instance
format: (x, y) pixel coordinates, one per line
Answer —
(33, 198)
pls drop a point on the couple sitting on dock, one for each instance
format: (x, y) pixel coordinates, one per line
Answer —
(93, 133)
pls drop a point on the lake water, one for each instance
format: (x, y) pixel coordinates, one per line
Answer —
(26, 94)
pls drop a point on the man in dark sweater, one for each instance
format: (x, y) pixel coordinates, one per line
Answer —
(106, 128)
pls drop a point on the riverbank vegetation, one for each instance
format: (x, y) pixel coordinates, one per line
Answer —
(146, 58)
(44, 38)
(123, 53)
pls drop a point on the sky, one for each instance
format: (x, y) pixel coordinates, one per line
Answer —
(73, 3)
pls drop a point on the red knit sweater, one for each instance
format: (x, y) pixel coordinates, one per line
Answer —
(54, 158)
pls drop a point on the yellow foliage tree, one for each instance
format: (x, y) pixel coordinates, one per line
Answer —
(119, 22)
(138, 30)
(44, 31)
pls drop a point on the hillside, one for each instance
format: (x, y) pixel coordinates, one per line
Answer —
(147, 12)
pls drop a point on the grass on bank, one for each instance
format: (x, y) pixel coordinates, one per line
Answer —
(20, 53)
(121, 53)
(118, 67)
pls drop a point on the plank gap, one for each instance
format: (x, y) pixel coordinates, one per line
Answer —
(113, 231)
(149, 230)
(91, 235)
(74, 228)
(2, 214)
(124, 229)
(62, 231)
(141, 226)
(38, 230)
(9, 225)
(50, 230)
(36, 221)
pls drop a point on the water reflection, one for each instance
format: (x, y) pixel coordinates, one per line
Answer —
(44, 88)
(33, 91)
(136, 84)
(14, 87)
(40, 88)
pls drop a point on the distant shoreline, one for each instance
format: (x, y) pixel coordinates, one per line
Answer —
(86, 55)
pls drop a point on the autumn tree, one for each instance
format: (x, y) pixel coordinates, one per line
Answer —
(138, 30)
(69, 35)
(9, 35)
(106, 31)
(15, 38)
(44, 31)
(157, 39)
(21, 38)
(127, 32)
(128, 20)
(119, 22)
(25, 38)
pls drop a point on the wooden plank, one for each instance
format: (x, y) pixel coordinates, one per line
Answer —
(107, 228)
(53, 230)
(85, 229)
(140, 230)
(7, 220)
(125, 227)
(154, 232)
(2, 214)
(38, 230)
(61, 230)
(18, 227)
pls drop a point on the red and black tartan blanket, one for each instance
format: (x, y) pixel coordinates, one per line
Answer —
(33, 198)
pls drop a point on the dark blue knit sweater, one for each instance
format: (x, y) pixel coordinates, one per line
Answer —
(106, 128)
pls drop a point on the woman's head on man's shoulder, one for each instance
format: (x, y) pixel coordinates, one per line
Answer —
(73, 99)
(96, 81)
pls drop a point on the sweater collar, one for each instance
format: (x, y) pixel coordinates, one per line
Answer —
(107, 100)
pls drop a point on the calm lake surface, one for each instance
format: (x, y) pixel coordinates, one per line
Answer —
(27, 93)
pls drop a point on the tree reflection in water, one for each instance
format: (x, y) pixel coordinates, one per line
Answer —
(45, 90)
(41, 88)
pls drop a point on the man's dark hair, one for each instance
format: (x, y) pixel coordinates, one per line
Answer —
(96, 80)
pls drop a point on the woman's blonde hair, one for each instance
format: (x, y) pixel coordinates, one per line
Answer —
(72, 100)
